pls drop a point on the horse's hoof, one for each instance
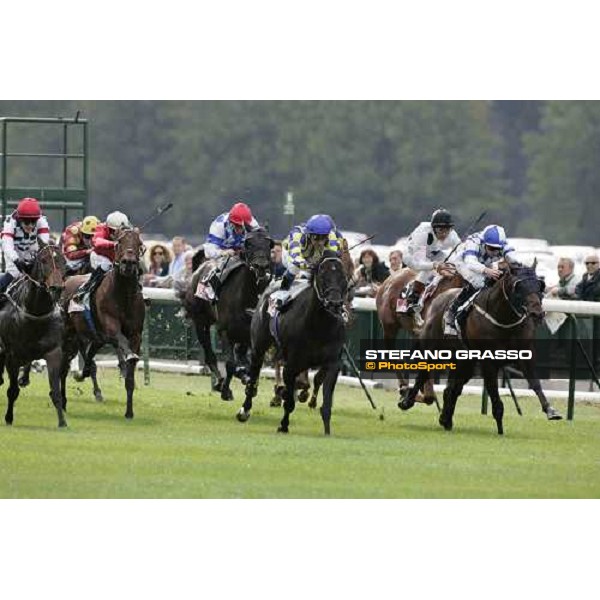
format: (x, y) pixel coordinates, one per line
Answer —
(245, 379)
(9, 423)
(313, 403)
(129, 415)
(79, 377)
(242, 416)
(63, 424)
(217, 386)
(98, 396)
(303, 396)
(23, 381)
(429, 400)
(553, 415)
(281, 429)
(447, 425)
(226, 395)
(275, 401)
(406, 404)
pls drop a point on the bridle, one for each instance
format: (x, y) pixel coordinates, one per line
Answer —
(333, 308)
(119, 254)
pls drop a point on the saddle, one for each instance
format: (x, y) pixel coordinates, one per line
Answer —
(280, 300)
(401, 304)
(212, 280)
(82, 301)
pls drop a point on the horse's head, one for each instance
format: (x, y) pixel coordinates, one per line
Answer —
(524, 290)
(48, 269)
(257, 253)
(330, 282)
(129, 249)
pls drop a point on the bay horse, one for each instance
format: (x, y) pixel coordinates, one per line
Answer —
(118, 311)
(232, 313)
(32, 326)
(503, 316)
(310, 333)
(392, 321)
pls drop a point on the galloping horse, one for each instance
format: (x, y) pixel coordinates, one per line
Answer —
(237, 298)
(31, 325)
(503, 316)
(309, 334)
(388, 295)
(118, 311)
(302, 381)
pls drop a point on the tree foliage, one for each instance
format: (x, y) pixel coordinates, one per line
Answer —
(377, 167)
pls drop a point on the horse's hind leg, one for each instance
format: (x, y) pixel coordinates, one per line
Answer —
(331, 375)
(317, 383)
(94, 375)
(13, 391)
(278, 387)
(303, 386)
(289, 403)
(203, 335)
(24, 378)
(242, 363)
(490, 378)
(2, 361)
(55, 365)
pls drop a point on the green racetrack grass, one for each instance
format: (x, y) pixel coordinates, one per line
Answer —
(184, 442)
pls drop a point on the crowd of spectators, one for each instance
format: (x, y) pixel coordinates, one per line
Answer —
(568, 288)
(172, 267)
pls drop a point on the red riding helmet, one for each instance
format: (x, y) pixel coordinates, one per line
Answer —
(28, 208)
(240, 214)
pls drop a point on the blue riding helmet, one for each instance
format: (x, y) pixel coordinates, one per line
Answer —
(494, 236)
(319, 225)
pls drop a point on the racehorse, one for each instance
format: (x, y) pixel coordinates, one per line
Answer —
(310, 333)
(31, 325)
(118, 312)
(389, 296)
(249, 274)
(302, 381)
(503, 316)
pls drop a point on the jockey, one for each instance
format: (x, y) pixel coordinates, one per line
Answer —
(305, 246)
(475, 262)
(227, 232)
(428, 246)
(225, 239)
(76, 243)
(102, 255)
(20, 235)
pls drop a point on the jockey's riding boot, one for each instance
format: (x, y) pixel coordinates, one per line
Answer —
(412, 300)
(91, 284)
(450, 319)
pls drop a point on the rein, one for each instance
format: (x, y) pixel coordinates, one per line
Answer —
(24, 276)
(522, 315)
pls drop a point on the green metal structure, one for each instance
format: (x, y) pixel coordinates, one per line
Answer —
(70, 201)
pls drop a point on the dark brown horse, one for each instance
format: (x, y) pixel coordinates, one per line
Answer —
(503, 316)
(302, 381)
(118, 309)
(32, 326)
(392, 321)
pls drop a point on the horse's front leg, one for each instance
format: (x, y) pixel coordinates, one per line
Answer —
(54, 362)
(528, 369)
(2, 362)
(289, 402)
(331, 375)
(226, 393)
(257, 357)
(490, 378)
(203, 335)
(13, 390)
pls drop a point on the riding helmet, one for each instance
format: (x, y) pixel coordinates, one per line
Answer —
(240, 214)
(29, 208)
(319, 225)
(441, 218)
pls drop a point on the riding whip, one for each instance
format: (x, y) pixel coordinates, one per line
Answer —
(470, 230)
(159, 211)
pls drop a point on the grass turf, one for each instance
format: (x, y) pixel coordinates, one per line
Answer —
(185, 443)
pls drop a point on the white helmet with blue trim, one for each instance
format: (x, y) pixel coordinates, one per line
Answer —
(494, 236)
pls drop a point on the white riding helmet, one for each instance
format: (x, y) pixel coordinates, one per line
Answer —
(117, 219)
